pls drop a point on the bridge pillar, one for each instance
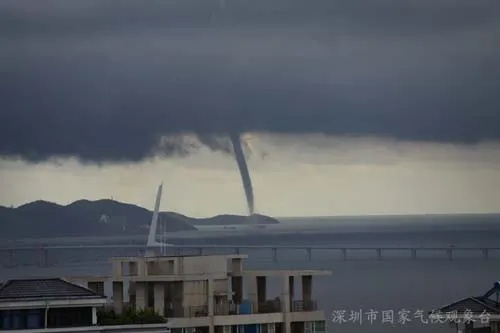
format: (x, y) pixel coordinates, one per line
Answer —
(11, 262)
(379, 254)
(414, 253)
(486, 253)
(275, 254)
(450, 254)
(44, 257)
(309, 253)
(344, 254)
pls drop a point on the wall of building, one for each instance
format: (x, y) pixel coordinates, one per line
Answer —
(161, 267)
(195, 293)
(221, 286)
(204, 265)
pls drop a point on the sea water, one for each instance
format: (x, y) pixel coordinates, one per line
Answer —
(362, 288)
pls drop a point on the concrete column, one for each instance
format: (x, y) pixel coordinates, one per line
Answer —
(211, 299)
(94, 315)
(159, 298)
(118, 297)
(285, 304)
(141, 295)
(285, 294)
(252, 291)
(180, 265)
(141, 267)
(306, 288)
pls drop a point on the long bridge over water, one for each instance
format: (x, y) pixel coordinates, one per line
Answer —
(47, 255)
(10, 255)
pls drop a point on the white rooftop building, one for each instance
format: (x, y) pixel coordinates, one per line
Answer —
(206, 294)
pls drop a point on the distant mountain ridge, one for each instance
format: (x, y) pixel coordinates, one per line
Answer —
(100, 218)
(225, 219)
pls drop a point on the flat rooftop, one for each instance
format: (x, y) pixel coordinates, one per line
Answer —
(228, 256)
(201, 276)
(295, 272)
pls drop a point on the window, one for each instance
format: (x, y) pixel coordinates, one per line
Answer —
(17, 319)
(319, 326)
(270, 328)
(34, 319)
(69, 317)
(5, 320)
(308, 327)
(21, 319)
(227, 329)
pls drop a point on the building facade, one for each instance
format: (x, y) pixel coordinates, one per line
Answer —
(214, 294)
(47, 304)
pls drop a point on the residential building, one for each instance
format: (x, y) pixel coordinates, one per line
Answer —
(47, 303)
(214, 294)
(479, 314)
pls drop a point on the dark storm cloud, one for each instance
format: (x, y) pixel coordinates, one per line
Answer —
(106, 80)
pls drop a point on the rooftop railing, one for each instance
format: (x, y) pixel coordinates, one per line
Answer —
(227, 309)
(304, 306)
(270, 306)
(187, 312)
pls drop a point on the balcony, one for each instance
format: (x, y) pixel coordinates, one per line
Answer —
(304, 306)
(187, 312)
(270, 306)
(227, 309)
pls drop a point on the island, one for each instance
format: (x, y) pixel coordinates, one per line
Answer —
(103, 218)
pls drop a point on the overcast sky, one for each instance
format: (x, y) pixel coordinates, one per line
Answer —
(119, 81)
